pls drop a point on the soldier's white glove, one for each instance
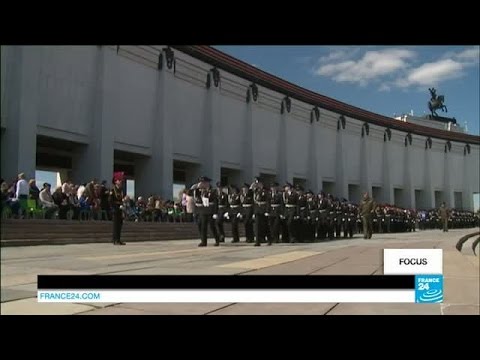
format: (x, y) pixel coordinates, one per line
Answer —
(253, 216)
(226, 216)
(308, 217)
(121, 207)
(215, 216)
(239, 216)
(296, 217)
(282, 217)
(267, 214)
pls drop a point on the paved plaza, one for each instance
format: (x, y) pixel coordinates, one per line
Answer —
(21, 265)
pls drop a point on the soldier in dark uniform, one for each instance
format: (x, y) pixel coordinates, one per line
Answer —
(338, 218)
(261, 207)
(116, 201)
(378, 216)
(344, 217)
(222, 209)
(322, 216)
(275, 212)
(330, 217)
(312, 216)
(234, 211)
(302, 214)
(246, 199)
(351, 218)
(206, 205)
(290, 199)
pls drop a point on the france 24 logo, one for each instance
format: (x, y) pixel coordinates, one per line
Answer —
(428, 288)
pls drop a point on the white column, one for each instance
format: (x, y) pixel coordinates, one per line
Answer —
(467, 191)
(19, 143)
(341, 185)
(447, 184)
(248, 143)
(154, 175)
(96, 159)
(387, 189)
(365, 178)
(314, 181)
(428, 186)
(282, 162)
(211, 122)
(409, 192)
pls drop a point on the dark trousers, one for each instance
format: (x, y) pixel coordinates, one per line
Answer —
(219, 225)
(117, 224)
(235, 233)
(445, 225)
(367, 227)
(274, 222)
(260, 227)
(291, 224)
(248, 222)
(206, 221)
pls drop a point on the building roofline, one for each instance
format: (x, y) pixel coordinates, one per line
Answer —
(246, 71)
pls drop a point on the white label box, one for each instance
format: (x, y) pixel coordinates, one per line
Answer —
(412, 261)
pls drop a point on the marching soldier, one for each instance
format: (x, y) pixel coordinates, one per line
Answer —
(206, 205)
(234, 212)
(246, 199)
(338, 218)
(261, 212)
(290, 199)
(222, 208)
(302, 214)
(275, 212)
(116, 201)
(330, 217)
(379, 216)
(322, 216)
(312, 216)
(443, 213)
(367, 207)
(351, 218)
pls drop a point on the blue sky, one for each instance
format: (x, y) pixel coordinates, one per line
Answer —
(389, 80)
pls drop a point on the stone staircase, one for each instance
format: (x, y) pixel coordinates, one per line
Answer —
(15, 232)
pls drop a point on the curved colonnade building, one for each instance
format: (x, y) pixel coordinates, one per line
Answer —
(165, 115)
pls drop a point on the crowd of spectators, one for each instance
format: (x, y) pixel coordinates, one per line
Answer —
(24, 199)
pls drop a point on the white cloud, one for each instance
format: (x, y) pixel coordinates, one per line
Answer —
(390, 68)
(471, 55)
(432, 73)
(384, 87)
(373, 65)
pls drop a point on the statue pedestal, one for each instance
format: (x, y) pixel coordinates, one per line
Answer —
(441, 119)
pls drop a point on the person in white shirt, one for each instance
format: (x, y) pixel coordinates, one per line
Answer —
(22, 192)
(46, 200)
(80, 191)
(67, 187)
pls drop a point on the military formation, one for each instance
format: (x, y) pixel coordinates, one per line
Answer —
(271, 213)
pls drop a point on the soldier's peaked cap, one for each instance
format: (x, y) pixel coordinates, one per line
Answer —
(299, 187)
(310, 192)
